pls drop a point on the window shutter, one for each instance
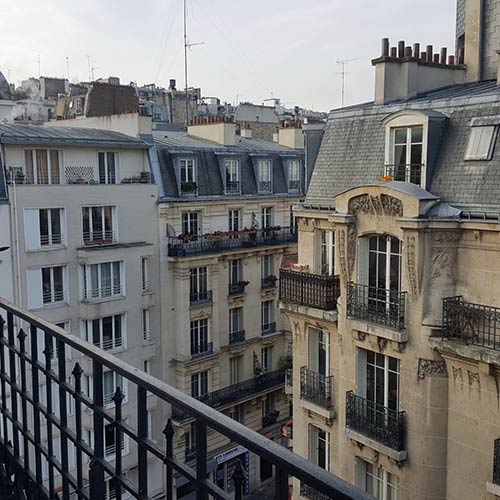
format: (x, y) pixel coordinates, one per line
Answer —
(31, 229)
(34, 288)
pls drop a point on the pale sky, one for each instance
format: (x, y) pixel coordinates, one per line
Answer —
(253, 49)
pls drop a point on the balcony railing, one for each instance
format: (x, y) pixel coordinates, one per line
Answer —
(102, 292)
(23, 416)
(316, 388)
(496, 462)
(265, 187)
(198, 350)
(101, 237)
(232, 187)
(109, 344)
(376, 421)
(270, 418)
(472, 323)
(268, 328)
(289, 378)
(237, 288)
(376, 305)
(47, 240)
(405, 173)
(185, 246)
(236, 392)
(200, 298)
(269, 282)
(188, 187)
(311, 290)
(293, 185)
(237, 336)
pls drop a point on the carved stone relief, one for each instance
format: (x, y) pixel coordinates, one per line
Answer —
(444, 255)
(411, 266)
(457, 374)
(474, 379)
(351, 249)
(376, 205)
(431, 368)
(342, 254)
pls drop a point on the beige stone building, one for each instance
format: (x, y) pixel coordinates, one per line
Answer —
(394, 302)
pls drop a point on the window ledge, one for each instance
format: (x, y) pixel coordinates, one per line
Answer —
(98, 300)
(493, 488)
(398, 456)
(47, 248)
(382, 331)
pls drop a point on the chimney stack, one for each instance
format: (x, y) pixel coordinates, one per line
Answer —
(473, 39)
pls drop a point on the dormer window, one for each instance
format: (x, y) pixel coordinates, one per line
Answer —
(265, 179)
(232, 176)
(481, 143)
(188, 176)
(294, 175)
(407, 157)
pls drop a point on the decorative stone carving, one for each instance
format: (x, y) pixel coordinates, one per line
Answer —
(342, 254)
(376, 205)
(444, 255)
(351, 249)
(457, 374)
(304, 225)
(411, 267)
(362, 336)
(382, 343)
(296, 328)
(431, 368)
(474, 379)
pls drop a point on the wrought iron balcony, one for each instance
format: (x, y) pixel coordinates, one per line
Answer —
(25, 421)
(376, 305)
(265, 187)
(316, 388)
(185, 245)
(237, 288)
(188, 187)
(293, 185)
(472, 323)
(199, 350)
(267, 328)
(496, 463)
(405, 173)
(270, 419)
(200, 298)
(237, 336)
(269, 282)
(233, 187)
(311, 290)
(376, 421)
(236, 392)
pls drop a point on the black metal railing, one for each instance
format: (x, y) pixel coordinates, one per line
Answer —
(237, 336)
(293, 185)
(405, 173)
(237, 288)
(375, 421)
(198, 350)
(270, 418)
(188, 187)
(236, 392)
(24, 419)
(189, 453)
(268, 328)
(472, 323)
(496, 462)
(316, 388)
(232, 187)
(200, 298)
(312, 290)
(184, 246)
(265, 187)
(376, 305)
(289, 378)
(269, 282)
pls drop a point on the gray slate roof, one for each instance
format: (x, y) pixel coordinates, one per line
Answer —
(256, 113)
(39, 135)
(353, 148)
(4, 88)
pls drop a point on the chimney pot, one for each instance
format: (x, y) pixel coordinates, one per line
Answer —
(394, 52)
(423, 56)
(460, 56)
(451, 60)
(436, 58)
(408, 52)
(429, 52)
(385, 47)
(401, 49)
(444, 53)
(416, 50)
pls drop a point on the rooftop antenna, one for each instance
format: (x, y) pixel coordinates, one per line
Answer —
(343, 62)
(67, 66)
(92, 70)
(88, 63)
(38, 60)
(187, 45)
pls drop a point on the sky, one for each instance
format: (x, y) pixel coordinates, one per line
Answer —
(252, 49)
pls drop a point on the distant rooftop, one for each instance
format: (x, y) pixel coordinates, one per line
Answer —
(256, 113)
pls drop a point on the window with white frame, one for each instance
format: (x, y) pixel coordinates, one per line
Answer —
(187, 175)
(98, 225)
(190, 441)
(145, 284)
(191, 224)
(481, 142)
(266, 216)
(319, 447)
(198, 284)
(107, 333)
(54, 398)
(46, 286)
(376, 481)
(43, 166)
(110, 441)
(267, 266)
(199, 384)
(43, 228)
(108, 162)
(293, 175)
(265, 176)
(234, 219)
(326, 242)
(407, 154)
(266, 358)
(146, 329)
(199, 336)
(102, 280)
(111, 381)
(232, 176)
(235, 271)
(319, 351)
(235, 369)
(146, 366)
(235, 320)
(267, 316)
(56, 455)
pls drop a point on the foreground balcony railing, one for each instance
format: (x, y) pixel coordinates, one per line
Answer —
(376, 305)
(22, 417)
(405, 173)
(316, 388)
(228, 395)
(472, 323)
(186, 245)
(376, 421)
(311, 290)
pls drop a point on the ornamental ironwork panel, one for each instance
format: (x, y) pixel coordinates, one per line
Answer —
(200, 298)
(496, 462)
(405, 172)
(316, 388)
(475, 324)
(376, 305)
(375, 421)
(311, 290)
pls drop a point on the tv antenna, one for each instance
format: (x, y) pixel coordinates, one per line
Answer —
(88, 63)
(67, 66)
(92, 70)
(187, 45)
(343, 62)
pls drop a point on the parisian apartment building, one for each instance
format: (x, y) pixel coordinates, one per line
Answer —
(393, 304)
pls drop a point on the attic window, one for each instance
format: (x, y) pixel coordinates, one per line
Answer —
(481, 143)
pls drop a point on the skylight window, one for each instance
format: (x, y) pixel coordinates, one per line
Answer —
(481, 143)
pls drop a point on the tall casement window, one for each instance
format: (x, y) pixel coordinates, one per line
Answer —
(43, 228)
(376, 481)
(98, 226)
(107, 333)
(236, 369)
(108, 162)
(266, 217)
(326, 251)
(234, 219)
(187, 175)
(267, 317)
(199, 336)
(111, 381)
(319, 351)
(145, 282)
(102, 280)
(198, 284)
(319, 447)
(265, 176)
(232, 176)
(378, 379)
(46, 286)
(235, 320)
(407, 154)
(199, 384)
(42, 166)
(294, 175)
(191, 224)
(266, 358)
(235, 271)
